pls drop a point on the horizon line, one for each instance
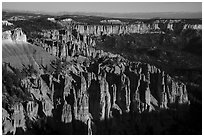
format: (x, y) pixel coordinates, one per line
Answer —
(16, 10)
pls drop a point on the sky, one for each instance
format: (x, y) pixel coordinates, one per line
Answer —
(107, 7)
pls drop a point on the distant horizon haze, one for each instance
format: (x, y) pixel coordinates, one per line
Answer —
(107, 7)
(111, 9)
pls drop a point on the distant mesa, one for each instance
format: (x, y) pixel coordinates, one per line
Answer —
(111, 22)
(16, 18)
(51, 19)
(68, 20)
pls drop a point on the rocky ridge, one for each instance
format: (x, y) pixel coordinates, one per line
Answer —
(157, 26)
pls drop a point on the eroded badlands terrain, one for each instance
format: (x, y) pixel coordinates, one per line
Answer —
(110, 77)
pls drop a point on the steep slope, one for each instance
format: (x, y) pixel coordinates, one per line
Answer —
(18, 52)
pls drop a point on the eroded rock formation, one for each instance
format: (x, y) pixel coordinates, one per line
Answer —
(15, 35)
(99, 87)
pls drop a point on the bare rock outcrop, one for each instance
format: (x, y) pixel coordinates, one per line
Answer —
(15, 35)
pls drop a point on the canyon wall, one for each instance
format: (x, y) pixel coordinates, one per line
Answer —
(157, 26)
(102, 90)
(92, 86)
(139, 27)
(75, 38)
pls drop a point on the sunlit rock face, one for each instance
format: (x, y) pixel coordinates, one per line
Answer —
(138, 27)
(6, 23)
(6, 122)
(98, 30)
(6, 36)
(18, 35)
(111, 22)
(193, 26)
(51, 19)
(15, 35)
(15, 120)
